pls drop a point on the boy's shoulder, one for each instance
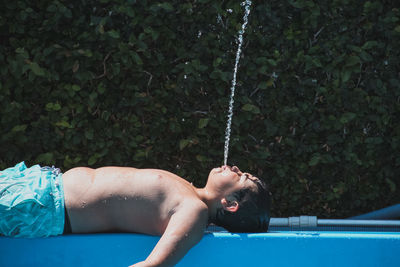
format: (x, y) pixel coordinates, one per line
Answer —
(193, 203)
(191, 215)
(193, 208)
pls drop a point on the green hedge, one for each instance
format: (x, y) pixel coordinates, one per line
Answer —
(146, 84)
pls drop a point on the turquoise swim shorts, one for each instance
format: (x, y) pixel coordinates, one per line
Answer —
(31, 201)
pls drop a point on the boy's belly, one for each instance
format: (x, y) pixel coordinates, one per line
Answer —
(98, 204)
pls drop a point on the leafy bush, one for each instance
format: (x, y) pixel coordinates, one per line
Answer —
(146, 84)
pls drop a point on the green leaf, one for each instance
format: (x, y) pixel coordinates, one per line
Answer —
(391, 184)
(76, 88)
(201, 158)
(183, 143)
(63, 124)
(346, 74)
(139, 155)
(20, 50)
(317, 62)
(136, 58)
(92, 160)
(352, 60)
(53, 106)
(314, 159)
(272, 62)
(366, 57)
(217, 61)
(369, 45)
(114, 34)
(298, 3)
(36, 69)
(260, 60)
(56, 107)
(263, 85)
(166, 6)
(89, 134)
(101, 89)
(251, 108)
(347, 117)
(46, 158)
(19, 128)
(49, 106)
(203, 123)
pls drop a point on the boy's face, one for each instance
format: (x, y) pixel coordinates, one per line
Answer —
(226, 180)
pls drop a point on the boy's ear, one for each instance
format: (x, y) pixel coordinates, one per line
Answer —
(231, 206)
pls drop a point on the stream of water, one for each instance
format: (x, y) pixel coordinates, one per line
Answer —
(247, 5)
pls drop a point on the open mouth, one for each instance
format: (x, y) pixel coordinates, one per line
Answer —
(232, 169)
(225, 167)
(235, 169)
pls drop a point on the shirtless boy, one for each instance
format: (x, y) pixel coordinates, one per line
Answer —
(122, 199)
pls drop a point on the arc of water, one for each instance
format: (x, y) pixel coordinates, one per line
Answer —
(247, 4)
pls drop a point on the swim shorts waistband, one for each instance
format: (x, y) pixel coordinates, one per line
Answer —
(67, 223)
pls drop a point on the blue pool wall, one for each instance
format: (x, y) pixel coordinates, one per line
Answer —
(215, 249)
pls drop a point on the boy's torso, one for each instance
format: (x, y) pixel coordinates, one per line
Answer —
(124, 199)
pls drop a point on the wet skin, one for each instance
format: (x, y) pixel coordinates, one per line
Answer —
(150, 201)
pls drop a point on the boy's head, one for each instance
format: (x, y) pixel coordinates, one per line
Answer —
(245, 200)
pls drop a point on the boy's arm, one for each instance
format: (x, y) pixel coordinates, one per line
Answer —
(184, 230)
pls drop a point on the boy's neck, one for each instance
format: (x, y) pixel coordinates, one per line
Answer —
(210, 200)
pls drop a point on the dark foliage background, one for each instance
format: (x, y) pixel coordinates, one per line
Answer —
(146, 84)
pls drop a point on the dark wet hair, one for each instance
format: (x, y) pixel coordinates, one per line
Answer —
(253, 214)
